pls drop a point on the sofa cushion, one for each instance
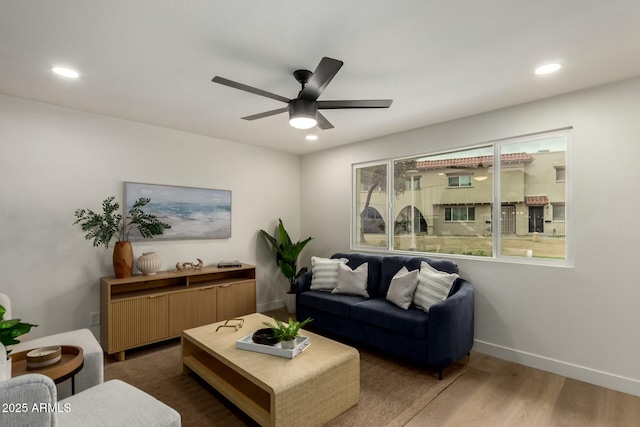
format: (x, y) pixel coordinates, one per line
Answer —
(380, 312)
(391, 265)
(336, 304)
(325, 273)
(352, 282)
(403, 286)
(375, 270)
(433, 286)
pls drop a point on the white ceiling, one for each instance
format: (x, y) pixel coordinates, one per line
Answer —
(152, 61)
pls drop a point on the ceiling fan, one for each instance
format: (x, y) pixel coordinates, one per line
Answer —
(303, 110)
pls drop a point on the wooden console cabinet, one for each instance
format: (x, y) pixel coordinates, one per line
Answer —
(140, 310)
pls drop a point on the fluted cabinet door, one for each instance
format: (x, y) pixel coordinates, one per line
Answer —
(236, 299)
(181, 313)
(138, 321)
(205, 306)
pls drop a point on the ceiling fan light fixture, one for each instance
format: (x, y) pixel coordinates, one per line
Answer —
(302, 122)
(302, 114)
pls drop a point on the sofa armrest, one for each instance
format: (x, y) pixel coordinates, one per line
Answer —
(304, 282)
(450, 327)
(22, 398)
(116, 403)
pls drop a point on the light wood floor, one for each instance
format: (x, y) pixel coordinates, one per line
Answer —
(496, 393)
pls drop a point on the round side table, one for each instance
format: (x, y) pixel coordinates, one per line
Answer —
(70, 364)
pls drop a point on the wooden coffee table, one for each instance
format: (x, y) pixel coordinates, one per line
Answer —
(310, 389)
(70, 364)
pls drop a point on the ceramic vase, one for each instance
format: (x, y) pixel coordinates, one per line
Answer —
(290, 302)
(148, 263)
(122, 259)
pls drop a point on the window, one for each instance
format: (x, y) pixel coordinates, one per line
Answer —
(530, 169)
(460, 181)
(460, 214)
(558, 211)
(416, 183)
(370, 206)
(450, 208)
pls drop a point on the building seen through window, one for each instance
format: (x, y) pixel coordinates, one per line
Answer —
(444, 203)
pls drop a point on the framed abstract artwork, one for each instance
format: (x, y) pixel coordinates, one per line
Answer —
(192, 213)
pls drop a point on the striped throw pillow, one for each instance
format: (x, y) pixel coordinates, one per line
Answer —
(325, 273)
(433, 286)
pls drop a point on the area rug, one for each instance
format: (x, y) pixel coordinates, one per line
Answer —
(391, 393)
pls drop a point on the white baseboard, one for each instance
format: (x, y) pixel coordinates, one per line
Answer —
(273, 305)
(569, 370)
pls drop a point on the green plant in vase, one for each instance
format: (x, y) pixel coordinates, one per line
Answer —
(287, 333)
(103, 227)
(11, 329)
(287, 254)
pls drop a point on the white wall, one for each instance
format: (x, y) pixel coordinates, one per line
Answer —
(55, 160)
(582, 321)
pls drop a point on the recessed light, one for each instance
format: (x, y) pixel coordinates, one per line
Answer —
(311, 137)
(548, 68)
(66, 72)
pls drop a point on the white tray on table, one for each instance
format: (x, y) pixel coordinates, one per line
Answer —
(246, 343)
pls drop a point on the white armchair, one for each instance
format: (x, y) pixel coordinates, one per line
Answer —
(31, 401)
(93, 371)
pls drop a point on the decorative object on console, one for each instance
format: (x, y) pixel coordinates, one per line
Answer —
(287, 333)
(229, 264)
(287, 254)
(149, 263)
(103, 227)
(190, 265)
(193, 213)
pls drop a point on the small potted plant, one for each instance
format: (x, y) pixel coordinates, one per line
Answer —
(103, 227)
(9, 331)
(287, 254)
(287, 333)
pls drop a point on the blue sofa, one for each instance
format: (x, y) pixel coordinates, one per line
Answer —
(435, 339)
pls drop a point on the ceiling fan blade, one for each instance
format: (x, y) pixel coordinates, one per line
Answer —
(323, 123)
(363, 103)
(266, 114)
(322, 76)
(236, 85)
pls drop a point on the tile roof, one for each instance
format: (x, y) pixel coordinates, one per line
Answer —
(536, 200)
(473, 162)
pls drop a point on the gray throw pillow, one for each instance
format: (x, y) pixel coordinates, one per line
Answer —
(352, 282)
(403, 285)
(433, 286)
(325, 273)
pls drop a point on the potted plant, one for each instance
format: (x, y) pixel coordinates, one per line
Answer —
(287, 333)
(287, 254)
(9, 331)
(109, 224)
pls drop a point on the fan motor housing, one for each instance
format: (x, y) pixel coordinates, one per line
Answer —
(303, 108)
